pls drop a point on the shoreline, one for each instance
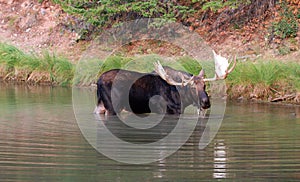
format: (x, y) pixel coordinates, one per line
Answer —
(229, 98)
(260, 80)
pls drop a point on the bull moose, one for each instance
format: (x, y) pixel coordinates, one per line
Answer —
(165, 90)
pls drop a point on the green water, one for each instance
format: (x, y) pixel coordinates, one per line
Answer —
(41, 141)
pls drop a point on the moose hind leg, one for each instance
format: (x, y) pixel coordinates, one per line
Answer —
(100, 109)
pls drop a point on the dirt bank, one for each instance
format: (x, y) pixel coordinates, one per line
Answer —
(34, 26)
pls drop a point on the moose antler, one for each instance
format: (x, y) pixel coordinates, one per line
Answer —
(221, 67)
(163, 74)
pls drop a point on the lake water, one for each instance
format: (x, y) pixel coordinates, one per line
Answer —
(40, 140)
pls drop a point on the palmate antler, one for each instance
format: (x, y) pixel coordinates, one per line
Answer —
(222, 69)
(162, 73)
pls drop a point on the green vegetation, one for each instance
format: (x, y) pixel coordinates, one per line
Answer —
(45, 68)
(287, 26)
(215, 5)
(88, 71)
(90, 17)
(262, 80)
(94, 15)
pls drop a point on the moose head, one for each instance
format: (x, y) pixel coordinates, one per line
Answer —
(198, 81)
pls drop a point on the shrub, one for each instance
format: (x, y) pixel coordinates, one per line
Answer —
(105, 13)
(287, 26)
(61, 71)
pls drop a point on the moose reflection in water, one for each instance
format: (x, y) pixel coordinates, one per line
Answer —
(166, 90)
(126, 132)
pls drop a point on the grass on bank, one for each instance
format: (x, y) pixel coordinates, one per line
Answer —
(88, 71)
(45, 68)
(265, 80)
(262, 79)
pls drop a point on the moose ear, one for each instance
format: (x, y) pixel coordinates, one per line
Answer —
(202, 73)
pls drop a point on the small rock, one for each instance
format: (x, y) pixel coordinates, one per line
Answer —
(191, 19)
(253, 96)
(28, 22)
(43, 11)
(241, 98)
(35, 8)
(25, 4)
(10, 1)
(45, 4)
(72, 43)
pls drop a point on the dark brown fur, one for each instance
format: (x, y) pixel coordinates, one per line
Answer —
(119, 90)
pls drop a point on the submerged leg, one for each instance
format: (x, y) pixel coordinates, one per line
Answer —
(100, 109)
